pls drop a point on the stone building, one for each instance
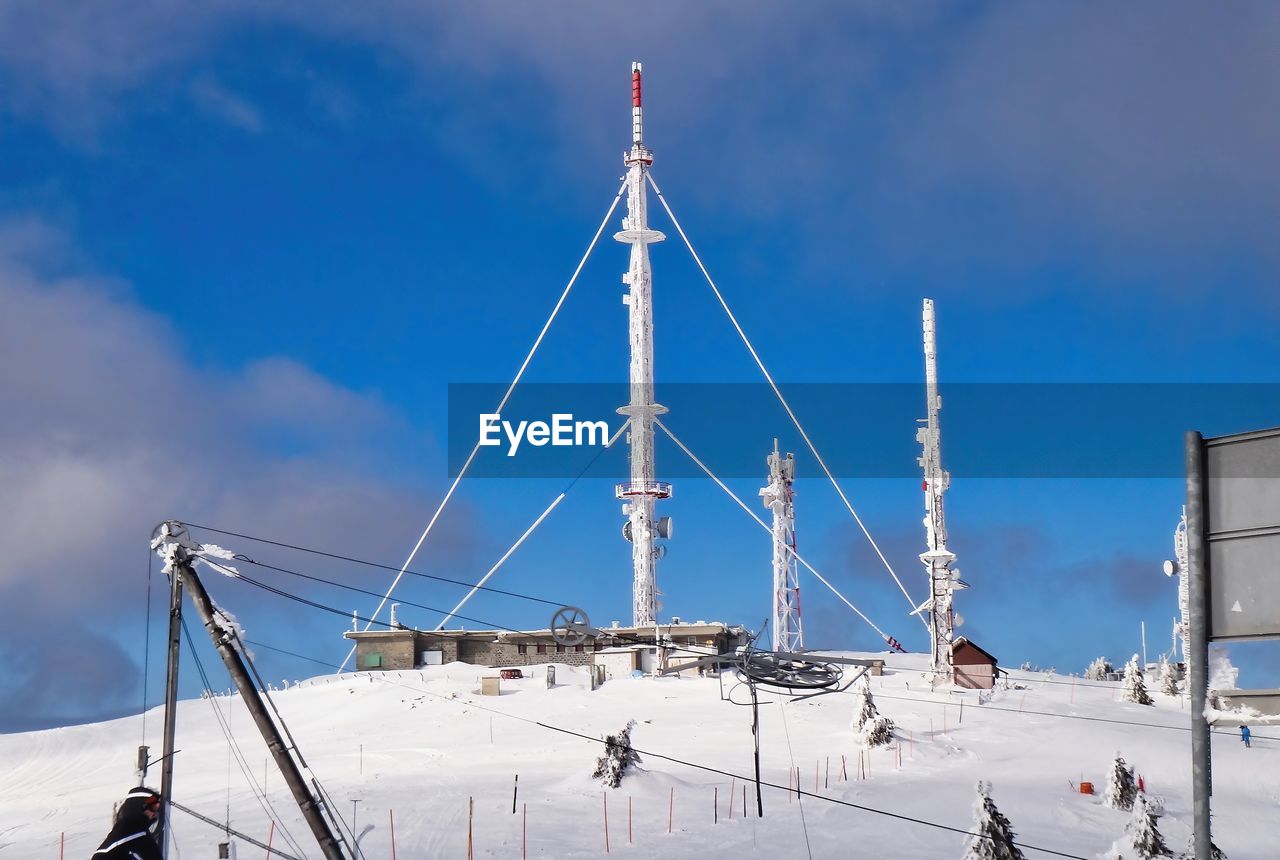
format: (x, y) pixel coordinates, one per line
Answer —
(406, 648)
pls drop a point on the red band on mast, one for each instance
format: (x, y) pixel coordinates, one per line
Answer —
(635, 88)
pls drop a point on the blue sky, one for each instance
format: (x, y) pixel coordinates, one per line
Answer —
(244, 251)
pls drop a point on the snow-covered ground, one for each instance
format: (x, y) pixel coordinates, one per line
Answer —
(422, 745)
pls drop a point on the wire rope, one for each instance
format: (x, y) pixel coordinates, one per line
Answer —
(512, 387)
(258, 792)
(721, 484)
(778, 393)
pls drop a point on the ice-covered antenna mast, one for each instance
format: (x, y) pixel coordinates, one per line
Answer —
(640, 494)
(779, 496)
(943, 580)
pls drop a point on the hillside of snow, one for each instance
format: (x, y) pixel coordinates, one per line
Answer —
(423, 747)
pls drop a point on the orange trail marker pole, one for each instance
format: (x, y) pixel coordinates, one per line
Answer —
(471, 805)
(731, 787)
(826, 783)
(815, 776)
(392, 814)
(606, 822)
(62, 845)
(271, 837)
(671, 808)
(524, 831)
(628, 819)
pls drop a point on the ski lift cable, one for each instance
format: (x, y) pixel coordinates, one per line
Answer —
(280, 592)
(507, 396)
(778, 393)
(473, 586)
(146, 648)
(765, 526)
(374, 564)
(329, 808)
(264, 802)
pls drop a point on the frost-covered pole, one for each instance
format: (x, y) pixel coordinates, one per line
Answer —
(179, 552)
(937, 558)
(170, 704)
(642, 492)
(779, 496)
(1181, 627)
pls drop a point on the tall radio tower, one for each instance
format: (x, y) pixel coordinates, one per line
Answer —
(936, 557)
(779, 497)
(641, 493)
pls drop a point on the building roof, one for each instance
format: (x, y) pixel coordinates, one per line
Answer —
(961, 641)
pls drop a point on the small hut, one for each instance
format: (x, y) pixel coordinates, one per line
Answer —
(972, 667)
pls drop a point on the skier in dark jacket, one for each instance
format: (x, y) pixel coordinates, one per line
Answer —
(130, 837)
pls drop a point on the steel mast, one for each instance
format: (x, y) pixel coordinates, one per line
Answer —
(642, 492)
(779, 497)
(937, 558)
(1182, 626)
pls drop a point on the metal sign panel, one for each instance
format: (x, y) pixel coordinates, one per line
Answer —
(1242, 529)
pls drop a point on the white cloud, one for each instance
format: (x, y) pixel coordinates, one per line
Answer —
(107, 429)
(220, 102)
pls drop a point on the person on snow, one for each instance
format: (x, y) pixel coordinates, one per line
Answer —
(1244, 735)
(130, 837)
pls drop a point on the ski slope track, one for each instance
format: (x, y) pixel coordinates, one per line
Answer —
(420, 744)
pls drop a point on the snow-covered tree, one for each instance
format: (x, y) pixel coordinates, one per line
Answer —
(1168, 679)
(1142, 837)
(1121, 787)
(873, 728)
(991, 837)
(1135, 688)
(1222, 675)
(618, 758)
(1098, 669)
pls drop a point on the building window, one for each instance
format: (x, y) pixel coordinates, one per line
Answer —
(559, 648)
(373, 661)
(522, 648)
(598, 646)
(542, 647)
(579, 648)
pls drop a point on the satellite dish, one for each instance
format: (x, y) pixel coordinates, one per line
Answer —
(957, 620)
(1170, 568)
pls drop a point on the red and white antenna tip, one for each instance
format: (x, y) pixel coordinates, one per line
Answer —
(637, 116)
(635, 85)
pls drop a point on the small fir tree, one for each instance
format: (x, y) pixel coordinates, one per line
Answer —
(992, 836)
(1121, 787)
(618, 758)
(1168, 681)
(1141, 833)
(873, 728)
(1135, 689)
(1098, 670)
